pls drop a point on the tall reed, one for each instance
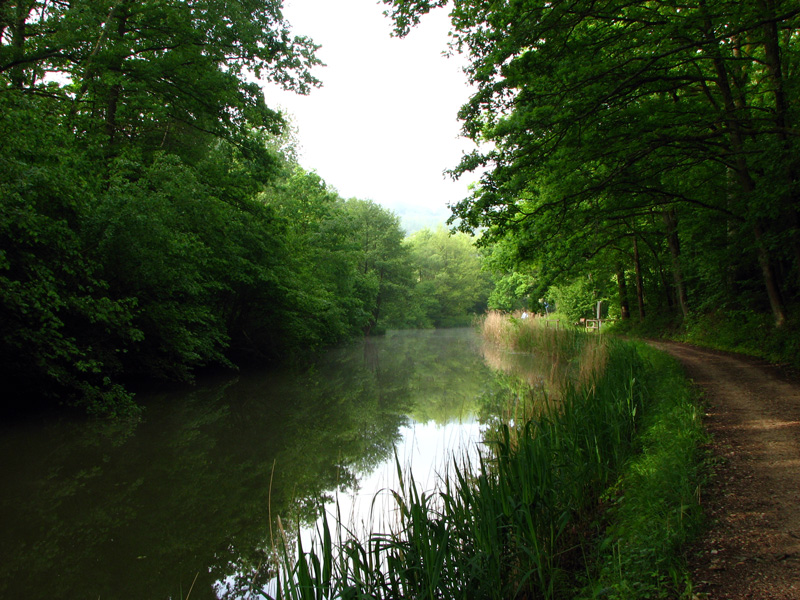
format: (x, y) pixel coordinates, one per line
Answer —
(565, 356)
(519, 523)
(532, 334)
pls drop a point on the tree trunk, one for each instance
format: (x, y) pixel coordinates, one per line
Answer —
(18, 37)
(88, 66)
(746, 183)
(624, 306)
(116, 89)
(794, 223)
(3, 21)
(668, 287)
(770, 279)
(671, 224)
(772, 54)
(639, 286)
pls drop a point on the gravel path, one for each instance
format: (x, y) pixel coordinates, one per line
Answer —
(752, 546)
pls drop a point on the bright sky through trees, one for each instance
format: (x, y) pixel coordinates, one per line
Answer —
(383, 126)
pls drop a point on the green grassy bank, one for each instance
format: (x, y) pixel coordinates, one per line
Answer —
(742, 331)
(592, 495)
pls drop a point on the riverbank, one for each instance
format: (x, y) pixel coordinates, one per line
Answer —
(742, 332)
(594, 494)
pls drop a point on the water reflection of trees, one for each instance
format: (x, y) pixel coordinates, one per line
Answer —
(539, 371)
(192, 491)
(139, 511)
(523, 385)
(448, 374)
(527, 383)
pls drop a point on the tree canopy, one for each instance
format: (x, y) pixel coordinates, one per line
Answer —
(145, 71)
(153, 220)
(673, 126)
(450, 282)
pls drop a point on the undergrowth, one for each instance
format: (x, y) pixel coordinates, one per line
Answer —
(741, 331)
(653, 509)
(593, 496)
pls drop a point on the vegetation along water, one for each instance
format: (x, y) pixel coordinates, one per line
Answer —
(589, 487)
(213, 485)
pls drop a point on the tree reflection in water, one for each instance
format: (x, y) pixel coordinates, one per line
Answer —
(189, 497)
(527, 383)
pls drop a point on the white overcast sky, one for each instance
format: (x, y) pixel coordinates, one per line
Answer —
(384, 124)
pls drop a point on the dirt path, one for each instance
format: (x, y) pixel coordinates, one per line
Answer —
(752, 547)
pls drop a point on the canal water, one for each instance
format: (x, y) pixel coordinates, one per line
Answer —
(185, 502)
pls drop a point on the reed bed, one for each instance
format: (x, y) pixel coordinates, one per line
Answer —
(525, 522)
(535, 334)
(566, 357)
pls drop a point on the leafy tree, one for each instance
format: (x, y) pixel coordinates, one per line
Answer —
(447, 268)
(142, 71)
(59, 330)
(383, 279)
(323, 254)
(607, 118)
(133, 146)
(514, 283)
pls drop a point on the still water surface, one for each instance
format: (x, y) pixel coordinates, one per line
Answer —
(188, 498)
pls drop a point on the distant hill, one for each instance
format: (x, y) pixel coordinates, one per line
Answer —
(414, 218)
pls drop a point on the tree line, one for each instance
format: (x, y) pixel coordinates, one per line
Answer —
(649, 145)
(154, 219)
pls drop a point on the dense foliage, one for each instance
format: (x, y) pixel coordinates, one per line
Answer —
(651, 145)
(450, 282)
(153, 219)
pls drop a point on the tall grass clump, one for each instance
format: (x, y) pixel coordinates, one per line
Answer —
(567, 356)
(530, 519)
(533, 334)
(654, 507)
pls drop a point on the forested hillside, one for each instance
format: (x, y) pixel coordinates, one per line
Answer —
(153, 218)
(647, 153)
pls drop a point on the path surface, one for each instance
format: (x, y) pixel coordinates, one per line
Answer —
(752, 546)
